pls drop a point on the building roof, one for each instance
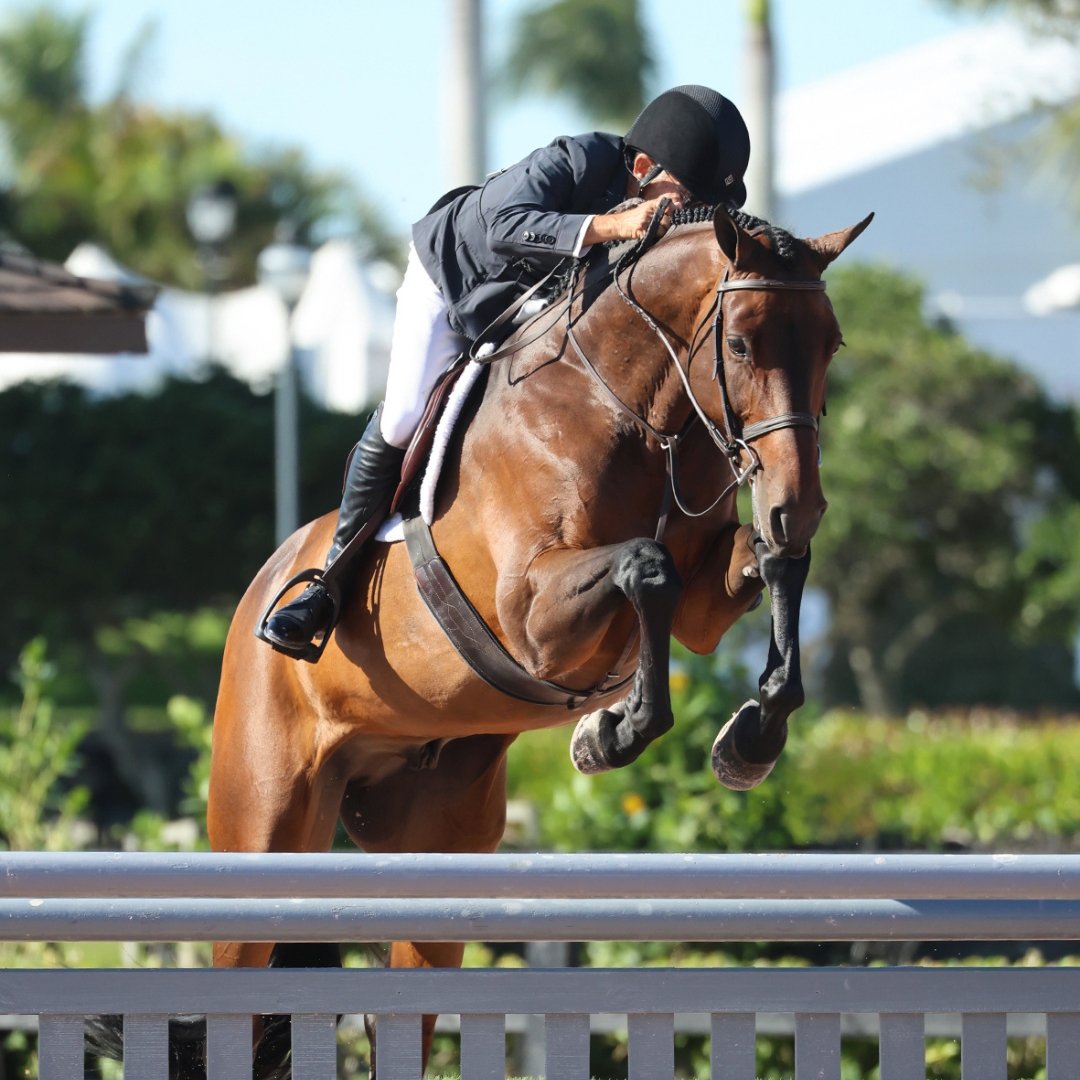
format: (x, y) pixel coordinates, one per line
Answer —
(45, 308)
(916, 99)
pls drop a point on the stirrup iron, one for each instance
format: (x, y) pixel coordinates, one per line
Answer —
(313, 650)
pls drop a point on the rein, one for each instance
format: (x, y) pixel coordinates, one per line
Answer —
(735, 439)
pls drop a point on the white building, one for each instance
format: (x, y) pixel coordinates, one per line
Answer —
(918, 137)
(342, 327)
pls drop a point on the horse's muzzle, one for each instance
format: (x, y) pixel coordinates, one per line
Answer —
(792, 526)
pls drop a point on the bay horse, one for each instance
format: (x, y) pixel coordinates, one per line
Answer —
(546, 514)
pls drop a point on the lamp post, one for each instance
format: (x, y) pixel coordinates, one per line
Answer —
(211, 217)
(284, 266)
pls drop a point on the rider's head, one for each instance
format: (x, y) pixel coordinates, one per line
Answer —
(697, 136)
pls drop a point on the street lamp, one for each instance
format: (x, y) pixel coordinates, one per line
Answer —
(211, 217)
(284, 267)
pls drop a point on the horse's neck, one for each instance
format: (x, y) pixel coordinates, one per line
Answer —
(671, 284)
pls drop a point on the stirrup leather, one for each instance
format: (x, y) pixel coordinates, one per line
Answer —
(313, 650)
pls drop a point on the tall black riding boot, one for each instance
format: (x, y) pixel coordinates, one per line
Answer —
(372, 478)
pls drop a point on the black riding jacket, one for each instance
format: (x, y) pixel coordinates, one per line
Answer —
(484, 246)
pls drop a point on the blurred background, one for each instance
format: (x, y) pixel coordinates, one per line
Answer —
(259, 165)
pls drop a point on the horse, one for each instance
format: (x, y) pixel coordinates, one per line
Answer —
(547, 513)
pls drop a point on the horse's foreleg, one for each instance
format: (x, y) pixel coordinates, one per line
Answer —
(751, 741)
(725, 585)
(586, 590)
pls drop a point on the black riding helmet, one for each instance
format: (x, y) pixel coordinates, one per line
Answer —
(700, 138)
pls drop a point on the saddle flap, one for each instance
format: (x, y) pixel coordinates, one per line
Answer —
(420, 446)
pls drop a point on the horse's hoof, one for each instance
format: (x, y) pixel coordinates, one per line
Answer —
(731, 768)
(585, 747)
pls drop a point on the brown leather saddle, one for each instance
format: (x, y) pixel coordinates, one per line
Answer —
(420, 446)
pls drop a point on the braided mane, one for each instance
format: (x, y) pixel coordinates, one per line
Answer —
(783, 241)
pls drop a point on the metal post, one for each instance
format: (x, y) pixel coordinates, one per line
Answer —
(286, 447)
(465, 120)
(759, 109)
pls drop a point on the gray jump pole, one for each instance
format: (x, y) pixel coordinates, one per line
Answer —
(88, 875)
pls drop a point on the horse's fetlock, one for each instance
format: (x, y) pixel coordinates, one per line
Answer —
(652, 721)
(784, 701)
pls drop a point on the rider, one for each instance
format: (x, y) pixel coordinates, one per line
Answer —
(480, 248)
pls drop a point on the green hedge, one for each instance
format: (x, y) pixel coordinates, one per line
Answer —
(982, 779)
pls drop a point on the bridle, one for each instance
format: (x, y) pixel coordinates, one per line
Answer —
(735, 439)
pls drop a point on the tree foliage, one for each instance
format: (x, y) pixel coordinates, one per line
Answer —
(1062, 16)
(943, 467)
(131, 526)
(37, 749)
(120, 172)
(114, 509)
(596, 53)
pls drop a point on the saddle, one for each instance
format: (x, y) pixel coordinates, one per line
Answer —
(420, 446)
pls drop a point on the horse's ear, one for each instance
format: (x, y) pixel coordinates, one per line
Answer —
(733, 241)
(831, 245)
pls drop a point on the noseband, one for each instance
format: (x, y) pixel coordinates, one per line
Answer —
(735, 438)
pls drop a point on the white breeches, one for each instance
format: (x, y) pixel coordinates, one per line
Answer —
(424, 346)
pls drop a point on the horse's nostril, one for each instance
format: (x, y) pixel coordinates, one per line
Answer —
(776, 524)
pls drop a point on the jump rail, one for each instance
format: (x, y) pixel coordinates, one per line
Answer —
(154, 897)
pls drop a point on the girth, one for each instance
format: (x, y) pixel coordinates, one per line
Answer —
(473, 638)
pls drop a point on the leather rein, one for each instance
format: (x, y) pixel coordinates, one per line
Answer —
(735, 439)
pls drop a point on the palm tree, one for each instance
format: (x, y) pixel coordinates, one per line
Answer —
(465, 120)
(596, 53)
(759, 106)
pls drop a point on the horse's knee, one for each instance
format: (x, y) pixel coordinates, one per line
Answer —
(645, 571)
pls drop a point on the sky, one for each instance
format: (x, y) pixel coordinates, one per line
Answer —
(356, 83)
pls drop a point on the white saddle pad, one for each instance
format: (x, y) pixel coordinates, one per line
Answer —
(391, 531)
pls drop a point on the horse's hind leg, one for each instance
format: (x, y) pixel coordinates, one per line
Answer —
(270, 790)
(750, 742)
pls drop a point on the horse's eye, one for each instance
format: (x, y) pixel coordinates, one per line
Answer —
(737, 346)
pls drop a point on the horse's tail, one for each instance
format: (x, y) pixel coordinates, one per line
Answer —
(187, 1034)
(273, 1058)
(187, 1043)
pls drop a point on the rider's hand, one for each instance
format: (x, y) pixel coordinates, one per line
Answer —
(630, 224)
